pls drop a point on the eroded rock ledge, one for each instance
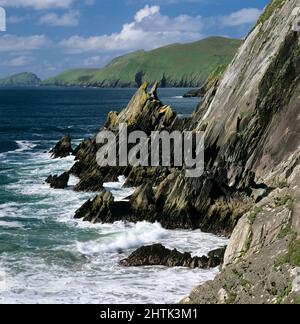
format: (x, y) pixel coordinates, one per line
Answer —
(158, 255)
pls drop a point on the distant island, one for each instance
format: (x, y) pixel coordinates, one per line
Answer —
(177, 65)
(20, 80)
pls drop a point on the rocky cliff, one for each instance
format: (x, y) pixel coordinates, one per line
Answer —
(250, 187)
(253, 124)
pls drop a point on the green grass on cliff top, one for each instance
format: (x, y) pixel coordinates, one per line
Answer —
(180, 64)
(21, 79)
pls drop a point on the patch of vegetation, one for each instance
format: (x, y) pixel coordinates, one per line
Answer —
(274, 5)
(281, 297)
(243, 114)
(286, 200)
(248, 243)
(287, 230)
(231, 298)
(297, 300)
(252, 218)
(293, 255)
(284, 184)
(253, 215)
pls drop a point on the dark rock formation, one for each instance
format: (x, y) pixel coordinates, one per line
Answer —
(62, 149)
(194, 93)
(158, 255)
(97, 209)
(59, 182)
(104, 209)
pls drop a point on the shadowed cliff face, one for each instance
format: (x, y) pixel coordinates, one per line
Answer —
(250, 123)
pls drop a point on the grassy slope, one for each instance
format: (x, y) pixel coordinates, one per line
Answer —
(21, 79)
(180, 65)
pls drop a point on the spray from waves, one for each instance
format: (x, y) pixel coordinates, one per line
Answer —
(138, 235)
(25, 146)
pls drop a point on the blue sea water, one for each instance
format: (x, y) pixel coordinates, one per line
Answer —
(45, 255)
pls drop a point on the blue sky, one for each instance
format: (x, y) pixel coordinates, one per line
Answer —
(49, 36)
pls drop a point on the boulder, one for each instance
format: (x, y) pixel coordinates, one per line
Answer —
(58, 182)
(62, 149)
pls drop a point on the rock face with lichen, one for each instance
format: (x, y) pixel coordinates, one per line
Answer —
(250, 187)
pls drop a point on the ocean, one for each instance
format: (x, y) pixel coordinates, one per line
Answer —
(45, 255)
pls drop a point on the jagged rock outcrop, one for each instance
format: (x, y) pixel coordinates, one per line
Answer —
(97, 209)
(104, 209)
(59, 182)
(158, 255)
(62, 149)
(145, 113)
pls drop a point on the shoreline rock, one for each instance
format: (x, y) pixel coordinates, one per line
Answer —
(62, 149)
(58, 182)
(158, 255)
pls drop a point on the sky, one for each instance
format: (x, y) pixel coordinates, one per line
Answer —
(47, 37)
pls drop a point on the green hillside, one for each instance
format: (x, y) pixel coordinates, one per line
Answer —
(178, 65)
(20, 80)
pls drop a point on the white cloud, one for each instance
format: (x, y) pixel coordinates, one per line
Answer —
(150, 29)
(69, 19)
(242, 17)
(146, 12)
(17, 61)
(37, 4)
(11, 43)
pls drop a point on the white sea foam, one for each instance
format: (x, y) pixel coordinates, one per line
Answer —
(25, 145)
(80, 256)
(116, 188)
(10, 224)
(134, 237)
